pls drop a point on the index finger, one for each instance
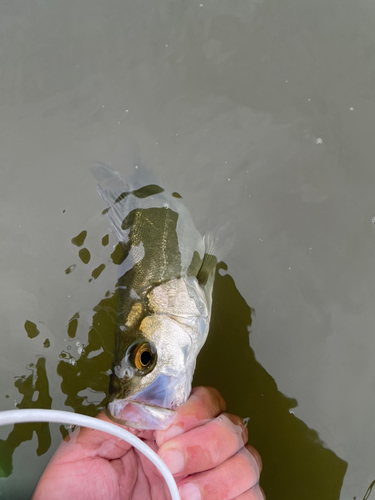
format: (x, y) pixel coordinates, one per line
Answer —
(204, 403)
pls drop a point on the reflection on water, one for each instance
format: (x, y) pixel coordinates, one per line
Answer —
(31, 329)
(369, 490)
(84, 370)
(35, 391)
(90, 371)
(296, 463)
(79, 239)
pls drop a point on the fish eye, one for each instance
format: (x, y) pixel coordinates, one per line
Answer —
(144, 357)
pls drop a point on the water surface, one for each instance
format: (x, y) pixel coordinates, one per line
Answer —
(260, 114)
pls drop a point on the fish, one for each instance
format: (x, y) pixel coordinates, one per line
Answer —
(166, 272)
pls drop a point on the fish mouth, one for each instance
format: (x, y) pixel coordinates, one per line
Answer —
(140, 415)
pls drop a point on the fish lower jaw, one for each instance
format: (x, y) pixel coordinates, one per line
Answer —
(140, 415)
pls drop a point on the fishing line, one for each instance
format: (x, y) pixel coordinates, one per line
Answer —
(64, 417)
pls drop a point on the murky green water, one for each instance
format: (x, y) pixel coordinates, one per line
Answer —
(260, 113)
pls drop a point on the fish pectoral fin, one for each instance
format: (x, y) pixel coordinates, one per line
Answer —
(207, 268)
(218, 243)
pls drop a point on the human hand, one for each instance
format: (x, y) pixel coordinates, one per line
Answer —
(204, 448)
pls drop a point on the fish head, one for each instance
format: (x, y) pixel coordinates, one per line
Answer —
(155, 373)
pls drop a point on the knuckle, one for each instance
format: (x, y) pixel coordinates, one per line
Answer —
(216, 397)
(211, 397)
(237, 421)
(256, 456)
(219, 398)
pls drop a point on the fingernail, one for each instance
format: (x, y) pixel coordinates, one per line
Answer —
(190, 491)
(174, 460)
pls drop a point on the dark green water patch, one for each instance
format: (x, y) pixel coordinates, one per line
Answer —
(92, 368)
(34, 389)
(72, 325)
(70, 269)
(31, 329)
(84, 255)
(296, 463)
(79, 239)
(97, 271)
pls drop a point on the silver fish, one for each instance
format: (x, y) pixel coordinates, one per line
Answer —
(166, 276)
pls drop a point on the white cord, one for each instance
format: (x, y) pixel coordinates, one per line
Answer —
(68, 418)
